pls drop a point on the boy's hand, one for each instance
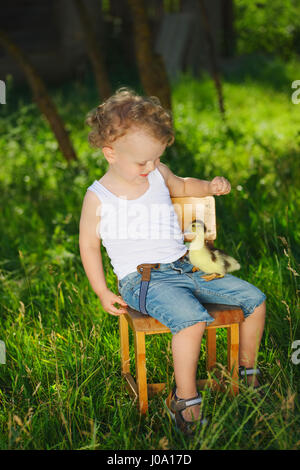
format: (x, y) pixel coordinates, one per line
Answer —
(108, 299)
(219, 185)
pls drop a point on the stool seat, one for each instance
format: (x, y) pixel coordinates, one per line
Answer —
(223, 315)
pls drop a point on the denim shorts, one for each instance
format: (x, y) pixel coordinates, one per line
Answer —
(175, 294)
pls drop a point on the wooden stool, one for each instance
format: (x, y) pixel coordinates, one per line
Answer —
(226, 316)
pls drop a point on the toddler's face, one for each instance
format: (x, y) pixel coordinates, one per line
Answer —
(134, 155)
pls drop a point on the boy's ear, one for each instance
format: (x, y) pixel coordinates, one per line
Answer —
(108, 153)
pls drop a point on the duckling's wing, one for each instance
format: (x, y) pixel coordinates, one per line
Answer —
(216, 253)
(229, 263)
(217, 250)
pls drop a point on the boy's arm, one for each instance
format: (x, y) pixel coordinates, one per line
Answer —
(89, 244)
(181, 187)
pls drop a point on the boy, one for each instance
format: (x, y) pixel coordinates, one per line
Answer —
(133, 132)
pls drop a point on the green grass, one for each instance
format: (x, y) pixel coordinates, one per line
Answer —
(61, 387)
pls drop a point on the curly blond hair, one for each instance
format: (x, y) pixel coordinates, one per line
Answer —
(126, 109)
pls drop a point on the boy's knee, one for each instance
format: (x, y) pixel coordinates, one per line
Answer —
(261, 308)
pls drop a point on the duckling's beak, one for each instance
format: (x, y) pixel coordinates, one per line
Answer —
(189, 236)
(189, 233)
(193, 230)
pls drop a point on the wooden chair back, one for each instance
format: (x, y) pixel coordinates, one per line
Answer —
(190, 208)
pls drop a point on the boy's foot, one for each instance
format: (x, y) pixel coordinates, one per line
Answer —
(185, 412)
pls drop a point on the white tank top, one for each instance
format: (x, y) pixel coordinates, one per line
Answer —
(142, 230)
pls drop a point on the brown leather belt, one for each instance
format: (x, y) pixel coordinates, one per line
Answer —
(145, 270)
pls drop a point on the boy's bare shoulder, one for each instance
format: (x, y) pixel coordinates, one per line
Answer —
(91, 199)
(89, 220)
(165, 171)
(91, 206)
(174, 183)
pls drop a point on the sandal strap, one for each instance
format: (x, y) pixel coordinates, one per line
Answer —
(177, 405)
(182, 403)
(248, 371)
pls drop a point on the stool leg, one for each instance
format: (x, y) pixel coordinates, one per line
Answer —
(124, 345)
(141, 373)
(233, 354)
(211, 348)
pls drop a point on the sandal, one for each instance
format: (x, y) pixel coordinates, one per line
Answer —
(245, 371)
(175, 408)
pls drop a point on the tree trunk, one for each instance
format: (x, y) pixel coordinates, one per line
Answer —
(94, 51)
(41, 97)
(228, 28)
(212, 56)
(151, 66)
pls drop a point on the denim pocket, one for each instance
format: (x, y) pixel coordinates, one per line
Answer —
(182, 266)
(130, 283)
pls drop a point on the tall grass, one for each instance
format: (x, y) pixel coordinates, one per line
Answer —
(61, 387)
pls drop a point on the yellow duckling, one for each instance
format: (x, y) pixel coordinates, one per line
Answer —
(211, 260)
